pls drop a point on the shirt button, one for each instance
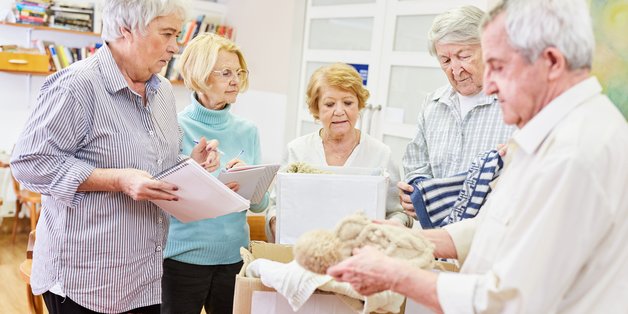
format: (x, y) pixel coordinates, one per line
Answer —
(159, 248)
(160, 220)
(150, 133)
(159, 161)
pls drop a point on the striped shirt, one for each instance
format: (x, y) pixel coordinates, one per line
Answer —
(442, 201)
(103, 249)
(446, 143)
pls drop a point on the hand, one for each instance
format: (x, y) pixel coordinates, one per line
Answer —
(140, 186)
(234, 186)
(390, 222)
(368, 271)
(404, 198)
(272, 223)
(206, 154)
(502, 149)
(234, 163)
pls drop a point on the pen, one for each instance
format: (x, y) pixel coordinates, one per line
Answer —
(217, 149)
(236, 157)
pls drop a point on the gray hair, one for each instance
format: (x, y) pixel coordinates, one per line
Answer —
(533, 25)
(135, 15)
(459, 25)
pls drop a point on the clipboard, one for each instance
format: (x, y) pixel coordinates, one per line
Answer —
(201, 196)
(254, 180)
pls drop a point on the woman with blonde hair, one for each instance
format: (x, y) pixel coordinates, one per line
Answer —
(202, 258)
(335, 97)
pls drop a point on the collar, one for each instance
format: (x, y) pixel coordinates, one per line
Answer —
(532, 135)
(215, 118)
(448, 96)
(113, 79)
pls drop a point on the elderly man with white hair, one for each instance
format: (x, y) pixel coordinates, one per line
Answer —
(551, 238)
(457, 121)
(101, 129)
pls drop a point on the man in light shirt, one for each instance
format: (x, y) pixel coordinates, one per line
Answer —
(457, 121)
(551, 238)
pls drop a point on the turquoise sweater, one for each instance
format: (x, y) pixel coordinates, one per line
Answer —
(215, 241)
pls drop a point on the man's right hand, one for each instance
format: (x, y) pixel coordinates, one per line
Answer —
(404, 197)
(140, 186)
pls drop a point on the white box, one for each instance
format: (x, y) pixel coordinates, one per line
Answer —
(319, 201)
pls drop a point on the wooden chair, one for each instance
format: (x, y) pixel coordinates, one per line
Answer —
(31, 200)
(256, 225)
(35, 302)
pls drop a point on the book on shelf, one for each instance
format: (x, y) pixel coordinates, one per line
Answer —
(201, 24)
(62, 56)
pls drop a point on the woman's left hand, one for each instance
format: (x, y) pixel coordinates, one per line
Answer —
(235, 163)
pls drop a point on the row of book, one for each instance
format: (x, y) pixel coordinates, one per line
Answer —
(194, 27)
(34, 12)
(62, 56)
(75, 16)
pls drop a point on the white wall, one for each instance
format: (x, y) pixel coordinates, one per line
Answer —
(270, 33)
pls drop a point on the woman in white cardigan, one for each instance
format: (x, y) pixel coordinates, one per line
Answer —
(335, 96)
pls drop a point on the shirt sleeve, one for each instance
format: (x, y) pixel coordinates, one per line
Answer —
(416, 162)
(462, 233)
(45, 155)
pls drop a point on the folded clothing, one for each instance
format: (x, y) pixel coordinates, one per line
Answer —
(297, 285)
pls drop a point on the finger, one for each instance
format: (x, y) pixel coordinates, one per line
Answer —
(233, 162)
(162, 185)
(405, 187)
(405, 198)
(410, 213)
(202, 142)
(156, 194)
(211, 145)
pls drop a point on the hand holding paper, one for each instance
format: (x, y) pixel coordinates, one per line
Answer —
(254, 180)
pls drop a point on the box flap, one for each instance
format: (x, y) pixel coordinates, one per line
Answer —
(275, 252)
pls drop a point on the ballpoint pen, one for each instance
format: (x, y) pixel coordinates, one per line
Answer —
(217, 149)
(236, 157)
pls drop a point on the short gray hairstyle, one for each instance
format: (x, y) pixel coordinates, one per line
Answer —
(459, 25)
(534, 25)
(135, 15)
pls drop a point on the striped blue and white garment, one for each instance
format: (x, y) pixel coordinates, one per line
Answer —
(442, 201)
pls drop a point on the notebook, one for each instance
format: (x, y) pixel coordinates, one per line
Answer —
(254, 180)
(201, 196)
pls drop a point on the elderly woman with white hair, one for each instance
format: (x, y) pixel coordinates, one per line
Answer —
(101, 129)
(457, 121)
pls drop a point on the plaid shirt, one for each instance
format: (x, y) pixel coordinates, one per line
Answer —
(446, 143)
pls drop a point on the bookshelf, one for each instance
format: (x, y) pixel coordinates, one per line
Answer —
(52, 29)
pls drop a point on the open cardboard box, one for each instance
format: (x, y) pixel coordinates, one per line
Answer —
(245, 287)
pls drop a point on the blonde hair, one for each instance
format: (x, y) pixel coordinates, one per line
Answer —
(340, 75)
(199, 57)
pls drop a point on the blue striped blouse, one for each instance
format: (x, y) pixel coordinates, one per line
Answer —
(103, 249)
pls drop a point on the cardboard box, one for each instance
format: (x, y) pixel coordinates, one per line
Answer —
(319, 201)
(247, 290)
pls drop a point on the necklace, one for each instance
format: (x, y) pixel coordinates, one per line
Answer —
(335, 152)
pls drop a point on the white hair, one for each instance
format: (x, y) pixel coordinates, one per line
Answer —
(135, 15)
(534, 25)
(459, 25)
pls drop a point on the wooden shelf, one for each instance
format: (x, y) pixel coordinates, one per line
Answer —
(28, 72)
(51, 29)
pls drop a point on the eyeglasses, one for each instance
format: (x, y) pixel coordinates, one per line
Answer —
(228, 74)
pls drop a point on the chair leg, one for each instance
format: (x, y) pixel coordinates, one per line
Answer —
(33, 210)
(33, 307)
(18, 209)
